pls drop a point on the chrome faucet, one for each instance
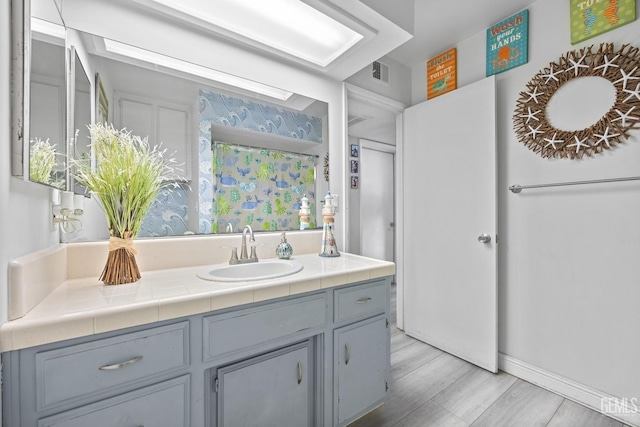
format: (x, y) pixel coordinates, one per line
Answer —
(244, 257)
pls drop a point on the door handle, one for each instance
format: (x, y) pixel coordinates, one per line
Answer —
(484, 238)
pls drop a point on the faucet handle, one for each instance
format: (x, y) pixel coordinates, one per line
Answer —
(234, 254)
(254, 254)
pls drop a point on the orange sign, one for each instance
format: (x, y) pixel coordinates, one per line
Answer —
(441, 74)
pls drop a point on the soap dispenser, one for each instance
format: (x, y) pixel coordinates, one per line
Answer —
(284, 249)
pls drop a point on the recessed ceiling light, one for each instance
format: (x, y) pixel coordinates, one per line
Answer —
(197, 70)
(290, 26)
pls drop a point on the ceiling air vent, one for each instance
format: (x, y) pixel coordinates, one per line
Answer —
(380, 72)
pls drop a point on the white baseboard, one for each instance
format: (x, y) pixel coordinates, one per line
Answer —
(570, 389)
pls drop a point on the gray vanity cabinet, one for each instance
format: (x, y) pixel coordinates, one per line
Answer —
(313, 359)
(272, 390)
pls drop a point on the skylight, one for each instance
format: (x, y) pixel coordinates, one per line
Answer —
(290, 26)
(196, 70)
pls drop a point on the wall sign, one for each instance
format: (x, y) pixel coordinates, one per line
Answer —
(590, 18)
(442, 75)
(507, 43)
(620, 67)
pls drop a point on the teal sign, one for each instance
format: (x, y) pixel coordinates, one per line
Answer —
(507, 43)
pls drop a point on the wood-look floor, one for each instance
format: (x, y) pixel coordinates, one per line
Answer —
(431, 388)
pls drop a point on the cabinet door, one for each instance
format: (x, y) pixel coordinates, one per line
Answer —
(362, 367)
(273, 390)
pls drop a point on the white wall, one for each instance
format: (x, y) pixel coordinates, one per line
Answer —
(399, 87)
(568, 257)
(24, 206)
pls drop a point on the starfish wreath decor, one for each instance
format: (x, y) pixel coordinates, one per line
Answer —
(621, 68)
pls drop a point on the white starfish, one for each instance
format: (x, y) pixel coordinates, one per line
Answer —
(633, 93)
(605, 137)
(534, 94)
(531, 115)
(579, 143)
(535, 131)
(576, 65)
(607, 63)
(625, 116)
(626, 77)
(551, 75)
(552, 141)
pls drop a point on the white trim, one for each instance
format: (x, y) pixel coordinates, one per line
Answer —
(344, 155)
(371, 98)
(566, 387)
(399, 215)
(378, 146)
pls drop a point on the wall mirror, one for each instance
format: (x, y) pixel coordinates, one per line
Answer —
(45, 112)
(243, 158)
(193, 110)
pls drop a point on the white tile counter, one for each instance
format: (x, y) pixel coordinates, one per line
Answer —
(84, 306)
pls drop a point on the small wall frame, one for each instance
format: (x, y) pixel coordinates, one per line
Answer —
(621, 67)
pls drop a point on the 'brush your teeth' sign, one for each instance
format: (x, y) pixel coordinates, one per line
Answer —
(507, 43)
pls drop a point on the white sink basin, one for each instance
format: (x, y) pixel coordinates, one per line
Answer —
(261, 270)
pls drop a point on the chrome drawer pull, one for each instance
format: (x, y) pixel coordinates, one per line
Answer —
(299, 372)
(347, 353)
(120, 365)
(363, 300)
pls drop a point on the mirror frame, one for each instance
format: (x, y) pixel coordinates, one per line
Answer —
(20, 90)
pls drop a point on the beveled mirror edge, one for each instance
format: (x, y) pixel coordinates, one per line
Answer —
(20, 50)
(70, 63)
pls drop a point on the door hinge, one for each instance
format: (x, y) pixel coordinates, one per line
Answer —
(496, 238)
(386, 386)
(215, 385)
(387, 322)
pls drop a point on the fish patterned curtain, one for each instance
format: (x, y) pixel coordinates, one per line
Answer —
(260, 187)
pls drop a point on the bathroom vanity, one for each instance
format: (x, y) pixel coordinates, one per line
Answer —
(310, 349)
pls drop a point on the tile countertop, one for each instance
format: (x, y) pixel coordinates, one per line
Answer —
(82, 307)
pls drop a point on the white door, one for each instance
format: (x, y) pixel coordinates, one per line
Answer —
(377, 225)
(449, 173)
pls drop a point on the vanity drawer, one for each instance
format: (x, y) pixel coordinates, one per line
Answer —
(159, 405)
(226, 333)
(95, 368)
(361, 300)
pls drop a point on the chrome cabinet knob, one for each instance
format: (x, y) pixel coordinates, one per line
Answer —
(484, 238)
